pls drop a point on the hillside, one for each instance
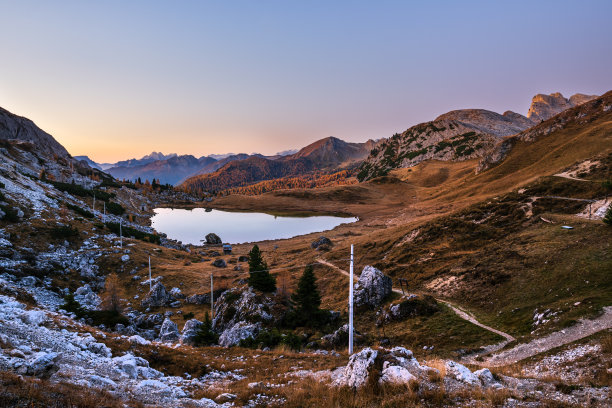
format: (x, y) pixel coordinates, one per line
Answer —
(23, 129)
(459, 135)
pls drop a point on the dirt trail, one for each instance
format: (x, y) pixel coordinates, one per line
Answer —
(461, 313)
(580, 330)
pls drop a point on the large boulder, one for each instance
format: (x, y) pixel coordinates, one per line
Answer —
(372, 287)
(169, 331)
(198, 299)
(357, 371)
(158, 296)
(213, 239)
(190, 331)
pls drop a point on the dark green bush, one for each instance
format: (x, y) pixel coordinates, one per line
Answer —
(64, 232)
(205, 335)
(80, 211)
(114, 208)
(133, 232)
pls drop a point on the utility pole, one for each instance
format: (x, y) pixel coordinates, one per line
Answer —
(350, 347)
(212, 302)
(150, 284)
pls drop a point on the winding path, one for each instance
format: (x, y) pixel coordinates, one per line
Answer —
(582, 329)
(459, 312)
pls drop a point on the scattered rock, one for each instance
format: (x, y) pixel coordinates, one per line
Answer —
(240, 331)
(169, 331)
(321, 242)
(157, 297)
(219, 263)
(357, 371)
(461, 373)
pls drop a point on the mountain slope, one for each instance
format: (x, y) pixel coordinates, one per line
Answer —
(331, 152)
(459, 135)
(455, 136)
(325, 155)
(20, 128)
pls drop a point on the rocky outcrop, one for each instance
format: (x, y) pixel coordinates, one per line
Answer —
(544, 107)
(372, 287)
(357, 371)
(408, 306)
(240, 315)
(158, 296)
(239, 331)
(219, 263)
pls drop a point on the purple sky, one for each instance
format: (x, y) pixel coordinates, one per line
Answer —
(115, 80)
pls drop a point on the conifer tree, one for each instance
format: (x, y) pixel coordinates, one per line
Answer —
(306, 300)
(205, 335)
(259, 276)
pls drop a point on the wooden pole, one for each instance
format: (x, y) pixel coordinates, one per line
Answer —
(212, 302)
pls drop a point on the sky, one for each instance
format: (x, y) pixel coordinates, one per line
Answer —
(118, 79)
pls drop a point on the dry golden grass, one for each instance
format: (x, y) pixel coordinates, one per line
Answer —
(21, 391)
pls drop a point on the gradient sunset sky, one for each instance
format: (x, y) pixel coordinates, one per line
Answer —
(119, 79)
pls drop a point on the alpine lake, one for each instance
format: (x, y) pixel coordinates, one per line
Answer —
(191, 225)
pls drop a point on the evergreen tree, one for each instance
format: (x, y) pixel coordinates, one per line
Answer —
(259, 276)
(73, 306)
(608, 217)
(205, 335)
(306, 300)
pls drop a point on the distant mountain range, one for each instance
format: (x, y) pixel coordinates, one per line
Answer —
(326, 155)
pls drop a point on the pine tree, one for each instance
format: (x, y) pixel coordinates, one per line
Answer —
(306, 300)
(205, 335)
(608, 217)
(259, 276)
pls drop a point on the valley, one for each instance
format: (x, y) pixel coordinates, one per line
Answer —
(469, 285)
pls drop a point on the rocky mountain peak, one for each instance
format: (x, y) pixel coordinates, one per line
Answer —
(544, 106)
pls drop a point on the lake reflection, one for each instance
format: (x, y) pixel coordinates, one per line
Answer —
(191, 226)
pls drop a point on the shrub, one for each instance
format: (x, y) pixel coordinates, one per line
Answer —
(272, 339)
(133, 232)
(188, 316)
(64, 232)
(80, 211)
(10, 214)
(114, 208)
(205, 335)
(71, 305)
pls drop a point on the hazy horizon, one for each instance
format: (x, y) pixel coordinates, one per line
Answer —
(116, 80)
